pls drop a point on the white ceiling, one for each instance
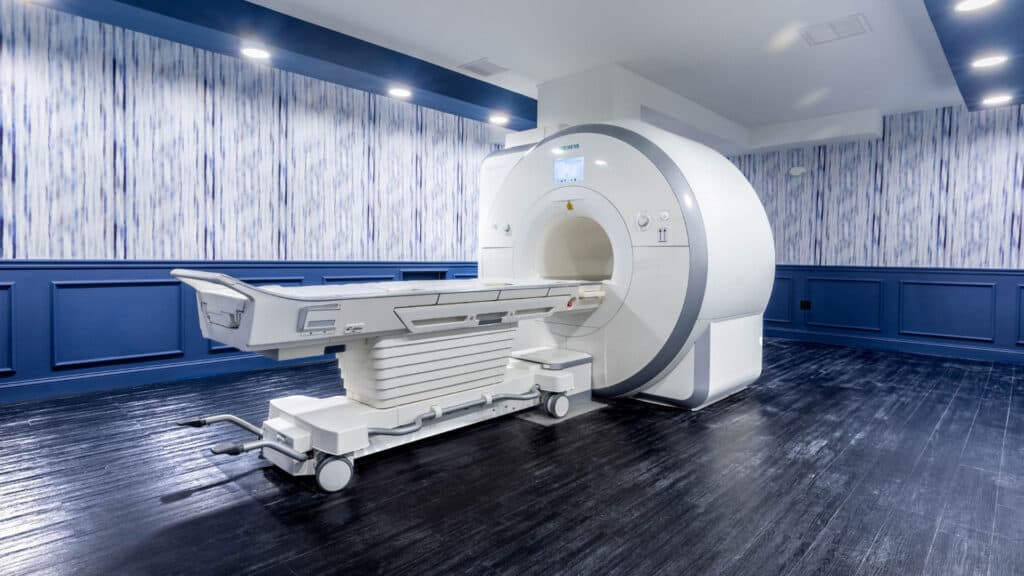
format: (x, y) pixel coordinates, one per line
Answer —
(744, 59)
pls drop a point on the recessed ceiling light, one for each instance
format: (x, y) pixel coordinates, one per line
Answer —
(255, 53)
(600, 163)
(500, 119)
(399, 92)
(972, 5)
(990, 61)
(997, 100)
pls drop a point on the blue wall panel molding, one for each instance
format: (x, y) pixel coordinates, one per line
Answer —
(305, 48)
(348, 279)
(780, 306)
(97, 325)
(6, 328)
(1020, 315)
(101, 322)
(844, 303)
(116, 145)
(941, 189)
(957, 310)
(971, 313)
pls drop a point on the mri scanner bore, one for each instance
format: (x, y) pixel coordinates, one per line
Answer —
(615, 260)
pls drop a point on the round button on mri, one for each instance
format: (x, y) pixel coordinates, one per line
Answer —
(643, 220)
(664, 215)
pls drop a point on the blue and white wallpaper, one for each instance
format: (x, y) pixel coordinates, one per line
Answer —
(119, 145)
(941, 188)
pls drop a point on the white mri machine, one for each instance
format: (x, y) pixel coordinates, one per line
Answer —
(615, 260)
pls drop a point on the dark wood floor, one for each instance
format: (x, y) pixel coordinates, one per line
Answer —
(838, 461)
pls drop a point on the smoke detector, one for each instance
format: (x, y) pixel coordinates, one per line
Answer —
(483, 67)
(832, 31)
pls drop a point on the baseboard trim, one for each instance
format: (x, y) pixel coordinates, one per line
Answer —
(945, 350)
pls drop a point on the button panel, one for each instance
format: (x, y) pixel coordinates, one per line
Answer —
(644, 220)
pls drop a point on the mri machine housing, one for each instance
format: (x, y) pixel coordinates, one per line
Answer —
(614, 258)
(674, 231)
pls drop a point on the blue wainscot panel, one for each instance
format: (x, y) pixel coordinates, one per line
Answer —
(1020, 314)
(780, 307)
(63, 329)
(356, 277)
(435, 274)
(112, 322)
(6, 328)
(977, 314)
(957, 310)
(845, 303)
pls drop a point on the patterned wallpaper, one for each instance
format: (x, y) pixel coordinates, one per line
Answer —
(119, 145)
(941, 188)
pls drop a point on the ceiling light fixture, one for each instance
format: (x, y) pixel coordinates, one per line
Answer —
(600, 163)
(399, 92)
(972, 5)
(255, 53)
(499, 119)
(990, 61)
(997, 100)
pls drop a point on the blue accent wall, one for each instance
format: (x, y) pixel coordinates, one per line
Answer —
(967, 313)
(72, 327)
(68, 327)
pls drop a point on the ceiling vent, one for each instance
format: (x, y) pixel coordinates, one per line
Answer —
(483, 67)
(841, 29)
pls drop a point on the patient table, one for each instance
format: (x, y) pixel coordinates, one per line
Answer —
(410, 353)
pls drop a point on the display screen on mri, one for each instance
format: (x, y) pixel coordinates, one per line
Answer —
(569, 170)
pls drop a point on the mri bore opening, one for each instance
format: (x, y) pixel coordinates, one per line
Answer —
(577, 248)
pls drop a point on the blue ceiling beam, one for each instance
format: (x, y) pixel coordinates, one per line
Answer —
(966, 36)
(304, 48)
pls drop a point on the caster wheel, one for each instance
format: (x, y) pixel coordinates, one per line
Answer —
(557, 405)
(334, 473)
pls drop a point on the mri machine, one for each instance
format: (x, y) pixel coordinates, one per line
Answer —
(615, 260)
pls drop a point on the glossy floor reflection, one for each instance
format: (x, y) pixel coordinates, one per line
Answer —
(838, 461)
